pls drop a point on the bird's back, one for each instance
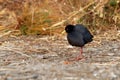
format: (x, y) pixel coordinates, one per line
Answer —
(87, 36)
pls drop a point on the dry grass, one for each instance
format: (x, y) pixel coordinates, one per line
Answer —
(48, 17)
(42, 57)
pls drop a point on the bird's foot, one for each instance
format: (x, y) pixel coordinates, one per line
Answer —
(78, 58)
(71, 60)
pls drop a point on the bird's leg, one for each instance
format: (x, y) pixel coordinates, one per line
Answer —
(80, 56)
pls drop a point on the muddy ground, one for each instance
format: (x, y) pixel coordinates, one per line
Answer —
(43, 58)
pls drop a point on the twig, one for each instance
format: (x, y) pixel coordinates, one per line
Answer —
(17, 51)
(21, 53)
(5, 34)
(75, 13)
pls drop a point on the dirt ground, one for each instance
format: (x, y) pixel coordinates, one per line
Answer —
(43, 58)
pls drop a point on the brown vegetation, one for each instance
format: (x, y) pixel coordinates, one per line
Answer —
(44, 57)
(48, 17)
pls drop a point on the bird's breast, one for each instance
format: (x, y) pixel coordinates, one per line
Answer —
(75, 40)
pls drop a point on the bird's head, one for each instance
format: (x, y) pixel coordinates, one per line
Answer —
(69, 28)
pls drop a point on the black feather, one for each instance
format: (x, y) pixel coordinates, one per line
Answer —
(78, 35)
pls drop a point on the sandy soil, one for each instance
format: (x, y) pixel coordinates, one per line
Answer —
(43, 58)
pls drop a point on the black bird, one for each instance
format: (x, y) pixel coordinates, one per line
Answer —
(78, 35)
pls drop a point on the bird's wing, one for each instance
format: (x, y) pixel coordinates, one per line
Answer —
(75, 39)
(87, 36)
